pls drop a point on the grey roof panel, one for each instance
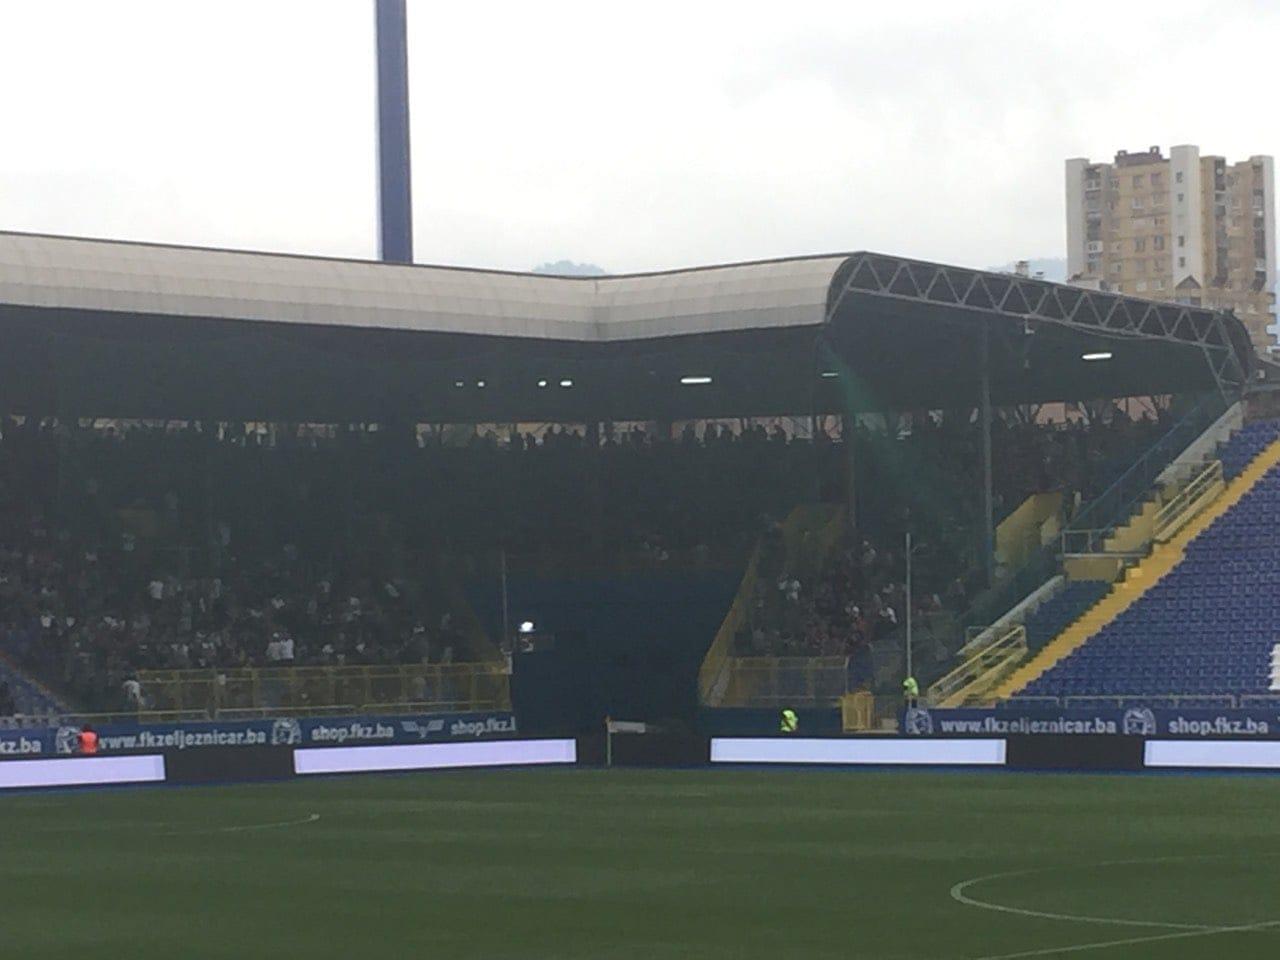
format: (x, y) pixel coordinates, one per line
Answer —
(112, 276)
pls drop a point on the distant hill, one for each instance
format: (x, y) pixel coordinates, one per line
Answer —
(1053, 268)
(567, 268)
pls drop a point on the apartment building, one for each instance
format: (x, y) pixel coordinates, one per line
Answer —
(1190, 228)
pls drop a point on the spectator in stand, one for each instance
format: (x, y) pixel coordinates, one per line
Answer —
(139, 546)
(133, 697)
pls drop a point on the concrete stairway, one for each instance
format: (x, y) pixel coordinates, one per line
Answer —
(1138, 579)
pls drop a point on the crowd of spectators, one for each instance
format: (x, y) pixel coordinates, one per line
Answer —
(126, 547)
(926, 477)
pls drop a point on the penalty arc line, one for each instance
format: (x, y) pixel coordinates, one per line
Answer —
(1184, 931)
(958, 894)
(1132, 941)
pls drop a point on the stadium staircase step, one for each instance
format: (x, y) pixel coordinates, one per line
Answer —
(1132, 537)
(1140, 578)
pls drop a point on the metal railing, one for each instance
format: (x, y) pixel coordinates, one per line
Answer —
(1093, 543)
(975, 638)
(20, 721)
(982, 670)
(786, 681)
(318, 690)
(1191, 499)
(1116, 502)
(714, 671)
(1104, 512)
(1225, 701)
(978, 638)
(1031, 701)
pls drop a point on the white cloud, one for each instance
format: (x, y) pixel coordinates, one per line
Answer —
(632, 136)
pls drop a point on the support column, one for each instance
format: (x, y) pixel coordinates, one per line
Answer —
(844, 465)
(849, 435)
(988, 507)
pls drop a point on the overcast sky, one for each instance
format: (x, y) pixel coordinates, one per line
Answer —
(636, 136)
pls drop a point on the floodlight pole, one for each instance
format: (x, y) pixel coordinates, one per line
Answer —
(506, 617)
(908, 604)
(395, 200)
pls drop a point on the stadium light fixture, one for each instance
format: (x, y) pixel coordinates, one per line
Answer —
(526, 626)
(480, 384)
(694, 380)
(459, 384)
(1100, 355)
(566, 383)
(541, 384)
(829, 374)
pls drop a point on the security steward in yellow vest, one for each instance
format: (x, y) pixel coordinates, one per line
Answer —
(910, 692)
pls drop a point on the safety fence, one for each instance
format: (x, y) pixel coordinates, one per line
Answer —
(454, 687)
(1116, 503)
(1173, 701)
(786, 681)
(1199, 492)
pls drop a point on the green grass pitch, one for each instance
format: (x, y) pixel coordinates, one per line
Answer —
(615, 865)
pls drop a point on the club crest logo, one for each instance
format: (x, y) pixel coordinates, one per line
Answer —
(286, 733)
(918, 722)
(66, 740)
(423, 728)
(1139, 722)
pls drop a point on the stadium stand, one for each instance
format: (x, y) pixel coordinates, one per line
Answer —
(353, 445)
(1245, 445)
(1205, 628)
(21, 696)
(1058, 612)
(211, 546)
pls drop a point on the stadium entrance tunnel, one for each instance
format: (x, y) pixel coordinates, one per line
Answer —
(608, 646)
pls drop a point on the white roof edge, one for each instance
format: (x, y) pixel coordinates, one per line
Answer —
(113, 276)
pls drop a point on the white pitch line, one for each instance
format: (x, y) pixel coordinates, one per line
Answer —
(1185, 930)
(1132, 941)
(310, 818)
(958, 894)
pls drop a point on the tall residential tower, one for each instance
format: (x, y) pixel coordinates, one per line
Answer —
(1193, 229)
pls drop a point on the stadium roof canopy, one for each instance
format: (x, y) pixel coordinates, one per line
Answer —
(131, 329)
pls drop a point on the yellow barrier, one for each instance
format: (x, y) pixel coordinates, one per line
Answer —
(711, 675)
(983, 670)
(433, 687)
(857, 711)
(1023, 532)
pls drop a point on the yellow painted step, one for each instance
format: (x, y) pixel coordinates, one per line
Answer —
(1138, 579)
(1137, 532)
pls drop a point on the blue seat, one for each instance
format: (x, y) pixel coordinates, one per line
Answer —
(1207, 628)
